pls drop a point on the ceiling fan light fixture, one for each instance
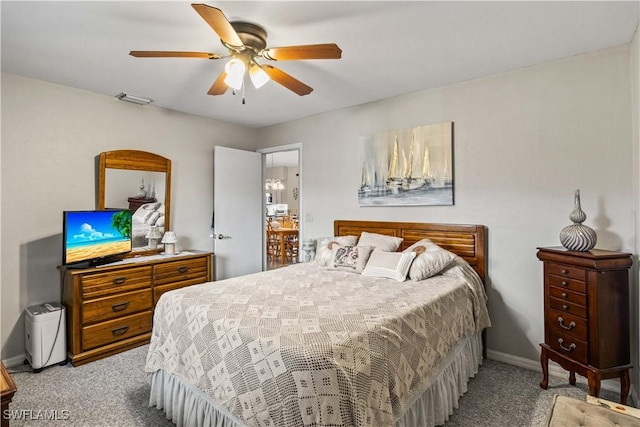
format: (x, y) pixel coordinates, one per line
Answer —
(235, 69)
(258, 76)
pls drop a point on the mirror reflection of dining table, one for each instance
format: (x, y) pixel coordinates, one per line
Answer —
(283, 233)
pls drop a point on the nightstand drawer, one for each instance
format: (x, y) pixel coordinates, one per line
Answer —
(567, 307)
(109, 282)
(567, 295)
(116, 330)
(189, 270)
(566, 271)
(101, 309)
(564, 323)
(569, 346)
(567, 283)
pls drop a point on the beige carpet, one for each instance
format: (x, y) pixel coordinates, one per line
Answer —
(114, 392)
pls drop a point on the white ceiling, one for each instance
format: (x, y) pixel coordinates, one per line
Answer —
(389, 47)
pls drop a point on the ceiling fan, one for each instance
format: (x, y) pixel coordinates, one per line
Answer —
(246, 43)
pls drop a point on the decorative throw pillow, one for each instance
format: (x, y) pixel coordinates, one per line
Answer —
(392, 265)
(430, 262)
(349, 258)
(323, 253)
(380, 241)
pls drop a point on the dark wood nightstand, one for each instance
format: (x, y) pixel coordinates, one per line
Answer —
(586, 312)
(7, 389)
(136, 202)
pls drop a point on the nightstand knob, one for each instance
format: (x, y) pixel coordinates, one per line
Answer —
(564, 271)
(564, 283)
(564, 295)
(565, 306)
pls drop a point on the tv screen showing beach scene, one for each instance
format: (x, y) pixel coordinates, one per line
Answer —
(89, 236)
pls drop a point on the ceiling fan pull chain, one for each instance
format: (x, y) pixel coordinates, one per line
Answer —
(243, 95)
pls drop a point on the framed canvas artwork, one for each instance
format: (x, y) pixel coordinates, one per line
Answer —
(409, 167)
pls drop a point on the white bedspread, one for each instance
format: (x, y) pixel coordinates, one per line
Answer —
(304, 345)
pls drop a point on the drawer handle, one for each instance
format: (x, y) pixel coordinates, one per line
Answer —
(571, 347)
(564, 295)
(119, 307)
(121, 330)
(565, 306)
(564, 283)
(183, 269)
(562, 325)
(119, 280)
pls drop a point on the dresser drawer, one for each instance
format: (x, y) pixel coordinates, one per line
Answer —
(566, 271)
(567, 295)
(567, 283)
(110, 282)
(565, 323)
(567, 307)
(116, 330)
(569, 346)
(190, 271)
(101, 309)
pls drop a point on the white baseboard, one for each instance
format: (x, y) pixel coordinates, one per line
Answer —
(557, 371)
(15, 361)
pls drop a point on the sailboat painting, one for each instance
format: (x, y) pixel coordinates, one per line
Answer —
(409, 167)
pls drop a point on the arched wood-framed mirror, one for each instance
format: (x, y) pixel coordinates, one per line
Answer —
(139, 181)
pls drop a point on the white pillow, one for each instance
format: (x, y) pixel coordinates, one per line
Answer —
(432, 261)
(380, 241)
(323, 253)
(142, 214)
(153, 218)
(349, 258)
(392, 265)
(151, 206)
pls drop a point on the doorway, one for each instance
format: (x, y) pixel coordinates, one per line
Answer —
(282, 203)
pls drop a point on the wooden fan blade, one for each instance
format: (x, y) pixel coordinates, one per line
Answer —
(219, 86)
(287, 81)
(220, 24)
(169, 54)
(310, 51)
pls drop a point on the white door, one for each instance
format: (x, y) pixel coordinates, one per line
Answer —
(237, 212)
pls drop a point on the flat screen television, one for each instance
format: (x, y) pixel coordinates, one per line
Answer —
(92, 238)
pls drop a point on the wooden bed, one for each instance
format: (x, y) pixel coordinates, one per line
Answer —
(181, 392)
(466, 240)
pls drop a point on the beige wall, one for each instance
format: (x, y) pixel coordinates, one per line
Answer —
(524, 142)
(50, 137)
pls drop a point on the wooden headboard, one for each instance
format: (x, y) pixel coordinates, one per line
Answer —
(467, 241)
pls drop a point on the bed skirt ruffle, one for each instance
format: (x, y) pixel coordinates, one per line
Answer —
(187, 406)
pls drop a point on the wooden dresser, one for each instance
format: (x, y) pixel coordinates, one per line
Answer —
(586, 312)
(110, 308)
(7, 390)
